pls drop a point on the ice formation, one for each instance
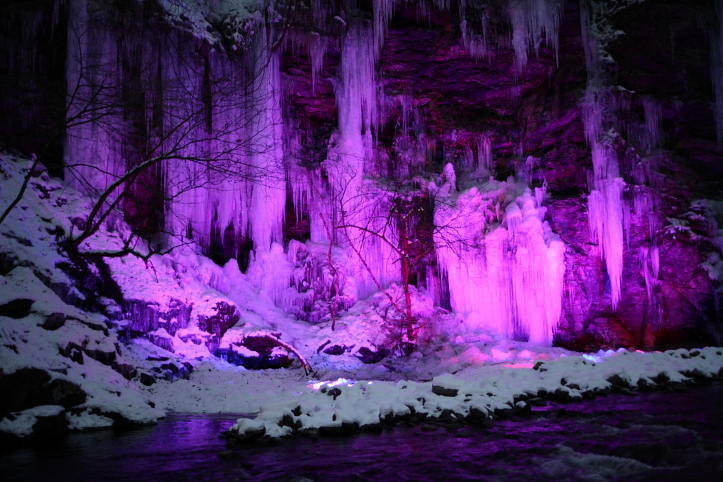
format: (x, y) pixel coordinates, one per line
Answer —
(606, 208)
(357, 207)
(91, 162)
(531, 20)
(211, 134)
(716, 68)
(223, 155)
(506, 276)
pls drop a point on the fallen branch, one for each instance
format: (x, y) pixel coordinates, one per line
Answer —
(273, 337)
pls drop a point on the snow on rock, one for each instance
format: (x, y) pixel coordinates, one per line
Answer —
(22, 424)
(86, 421)
(475, 394)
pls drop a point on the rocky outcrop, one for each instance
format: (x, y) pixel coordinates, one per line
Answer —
(146, 316)
(30, 387)
(455, 87)
(260, 350)
(226, 316)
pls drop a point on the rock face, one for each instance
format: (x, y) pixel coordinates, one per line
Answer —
(31, 387)
(148, 316)
(257, 352)
(438, 102)
(226, 316)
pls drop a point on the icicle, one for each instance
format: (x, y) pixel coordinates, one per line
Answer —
(650, 261)
(646, 271)
(606, 208)
(653, 117)
(269, 192)
(646, 204)
(592, 108)
(93, 159)
(484, 153)
(408, 111)
(357, 90)
(655, 261)
(468, 159)
(473, 42)
(716, 69)
(531, 19)
(507, 279)
(383, 10)
(300, 192)
(442, 4)
(317, 49)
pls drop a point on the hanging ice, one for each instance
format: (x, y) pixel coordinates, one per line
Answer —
(357, 207)
(531, 20)
(716, 68)
(650, 262)
(92, 160)
(606, 209)
(507, 277)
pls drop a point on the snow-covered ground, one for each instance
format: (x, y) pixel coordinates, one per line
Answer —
(67, 355)
(475, 394)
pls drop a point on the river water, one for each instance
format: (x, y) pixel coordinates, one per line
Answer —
(659, 436)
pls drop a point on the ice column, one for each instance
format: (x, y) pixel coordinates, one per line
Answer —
(509, 276)
(360, 208)
(228, 169)
(92, 158)
(531, 19)
(716, 69)
(605, 201)
(267, 156)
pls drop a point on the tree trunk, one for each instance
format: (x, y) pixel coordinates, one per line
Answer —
(406, 274)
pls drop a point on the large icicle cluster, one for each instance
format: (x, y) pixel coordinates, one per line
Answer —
(716, 68)
(225, 154)
(605, 201)
(246, 181)
(531, 20)
(90, 159)
(504, 265)
(211, 132)
(360, 209)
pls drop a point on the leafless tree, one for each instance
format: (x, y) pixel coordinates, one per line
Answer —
(154, 113)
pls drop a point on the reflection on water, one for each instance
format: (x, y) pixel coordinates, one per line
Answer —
(652, 437)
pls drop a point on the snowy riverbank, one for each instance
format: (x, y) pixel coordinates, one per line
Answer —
(477, 395)
(73, 360)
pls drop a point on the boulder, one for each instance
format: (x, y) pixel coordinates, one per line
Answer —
(367, 355)
(54, 321)
(31, 387)
(41, 425)
(226, 316)
(18, 308)
(257, 353)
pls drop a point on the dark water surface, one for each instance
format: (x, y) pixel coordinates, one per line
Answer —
(652, 437)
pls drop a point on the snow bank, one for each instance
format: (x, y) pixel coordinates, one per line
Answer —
(475, 395)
